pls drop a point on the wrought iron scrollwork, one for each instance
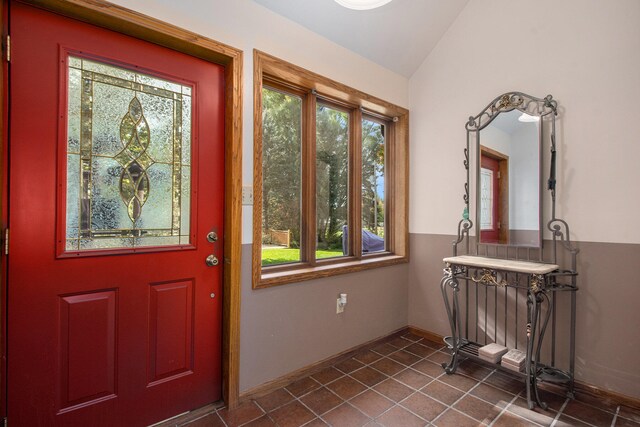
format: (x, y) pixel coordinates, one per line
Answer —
(489, 277)
(511, 101)
(560, 232)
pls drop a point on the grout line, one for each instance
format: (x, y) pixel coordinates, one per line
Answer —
(505, 410)
(615, 417)
(466, 394)
(560, 411)
(413, 390)
(367, 387)
(221, 419)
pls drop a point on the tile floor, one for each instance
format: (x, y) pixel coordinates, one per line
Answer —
(401, 383)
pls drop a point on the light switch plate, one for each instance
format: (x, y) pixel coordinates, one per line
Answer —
(247, 195)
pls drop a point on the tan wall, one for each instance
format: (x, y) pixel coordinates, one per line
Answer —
(608, 317)
(288, 327)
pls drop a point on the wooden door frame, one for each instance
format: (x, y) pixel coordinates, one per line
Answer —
(125, 21)
(503, 183)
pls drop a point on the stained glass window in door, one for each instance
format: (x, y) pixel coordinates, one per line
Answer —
(128, 158)
(486, 199)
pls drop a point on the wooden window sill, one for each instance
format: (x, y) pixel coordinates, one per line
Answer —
(302, 273)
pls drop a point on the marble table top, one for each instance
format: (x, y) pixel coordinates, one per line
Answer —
(502, 264)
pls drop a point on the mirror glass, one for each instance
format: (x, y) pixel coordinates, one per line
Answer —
(508, 190)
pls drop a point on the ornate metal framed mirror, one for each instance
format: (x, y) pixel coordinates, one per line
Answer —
(509, 135)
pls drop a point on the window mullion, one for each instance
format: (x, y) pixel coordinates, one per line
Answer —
(355, 177)
(309, 180)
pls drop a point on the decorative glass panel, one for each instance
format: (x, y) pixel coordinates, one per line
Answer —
(332, 181)
(373, 187)
(486, 199)
(128, 159)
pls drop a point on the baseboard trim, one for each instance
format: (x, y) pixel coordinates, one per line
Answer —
(609, 396)
(430, 336)
(293, 376)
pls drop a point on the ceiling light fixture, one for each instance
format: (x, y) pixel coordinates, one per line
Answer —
(362, 4)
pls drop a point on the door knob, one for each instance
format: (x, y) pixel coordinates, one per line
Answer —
(211, 261)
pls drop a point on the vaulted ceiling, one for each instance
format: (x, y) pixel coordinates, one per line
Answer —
(398, 35)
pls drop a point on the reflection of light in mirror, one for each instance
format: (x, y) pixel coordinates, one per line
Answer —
(528, 118)
(362, 4)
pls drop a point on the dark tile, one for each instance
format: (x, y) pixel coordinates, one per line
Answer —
(348, 365)
(508, 419)
(367, 357)
(442, 392)
(371, 403)
(439, 357)
(373, 424)
(452, 417)
(423, 406)
(321, 401)
(413, 379)
(506, 382)
(211, 420)
(346, 387)
(412, 337)
(624, 422)
(419, 350)
(398, 416)
(492, 395)
(316, 423)
(538, 415)
(303, 386)
(404, 357)
(393, 390)
(600, 402)
(274, 399)
(327, 375)
(347, 416)
(385, 349)
(387, 366)
(263, 421)
(553, 401)
(587, 413)
(473, 370)
(428, 367)
(244, 413)
(629, 413)
(432, 344)
(368, 376)
(477, 409)
(293, 414)
(458, 381)
(565, 421)
(400, 342)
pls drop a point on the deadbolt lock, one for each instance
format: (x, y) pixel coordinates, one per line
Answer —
(212, 237)
(212, 261)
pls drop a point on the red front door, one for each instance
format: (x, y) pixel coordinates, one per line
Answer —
(116, 179)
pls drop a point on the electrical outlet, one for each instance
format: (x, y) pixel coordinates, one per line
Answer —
(247, 195)
(339, 307)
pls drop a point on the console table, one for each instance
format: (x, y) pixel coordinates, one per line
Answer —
(538, 282)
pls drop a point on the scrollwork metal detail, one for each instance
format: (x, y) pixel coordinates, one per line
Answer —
(536, 283)
(511, 101)
(560, 232)
(489, 277)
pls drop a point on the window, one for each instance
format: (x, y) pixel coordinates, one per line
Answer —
(330, 177)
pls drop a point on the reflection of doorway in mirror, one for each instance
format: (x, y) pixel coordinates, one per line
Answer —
(494, 196)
